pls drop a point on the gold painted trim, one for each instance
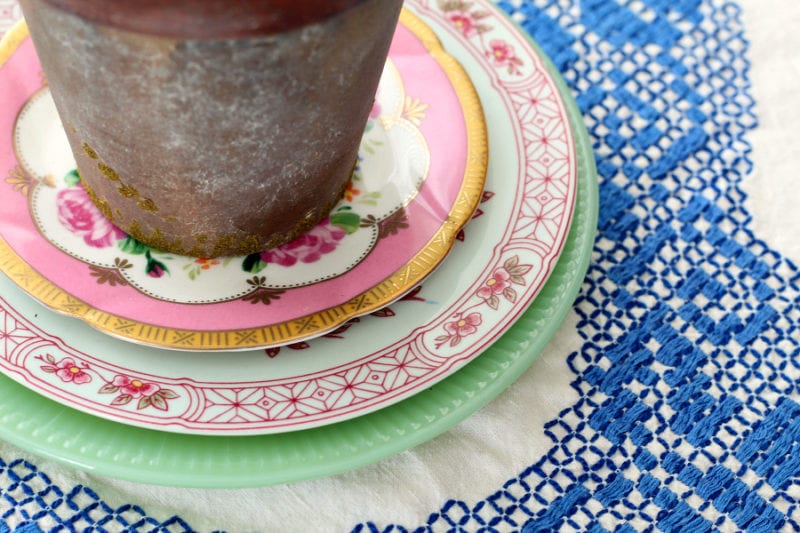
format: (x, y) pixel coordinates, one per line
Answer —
(12, 39)
(398, 283)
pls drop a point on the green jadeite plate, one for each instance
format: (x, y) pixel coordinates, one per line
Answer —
(110, 448)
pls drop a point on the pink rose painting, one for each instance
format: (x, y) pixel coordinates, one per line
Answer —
(308, 248)
(78, 214)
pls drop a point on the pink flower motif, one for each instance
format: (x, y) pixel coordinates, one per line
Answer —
(77, 213)
(68, 371)
(463, 23)
(496, 284)
(465, 326)
(501, 51)
(134, 387)
(308, 248)
(503, 55)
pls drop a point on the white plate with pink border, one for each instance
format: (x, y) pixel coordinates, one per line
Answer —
(492, 274)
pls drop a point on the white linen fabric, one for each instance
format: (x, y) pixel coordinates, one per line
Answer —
(461, 475)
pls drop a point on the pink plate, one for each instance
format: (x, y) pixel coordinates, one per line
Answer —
(496, 268)
(419, 177)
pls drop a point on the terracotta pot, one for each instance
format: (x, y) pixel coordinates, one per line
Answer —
(213, 127)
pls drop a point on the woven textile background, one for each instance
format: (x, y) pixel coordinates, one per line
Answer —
(688, 416)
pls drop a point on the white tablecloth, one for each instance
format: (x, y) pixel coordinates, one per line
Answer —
(518, 436)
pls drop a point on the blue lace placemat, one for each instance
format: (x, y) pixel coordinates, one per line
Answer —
(687, 418)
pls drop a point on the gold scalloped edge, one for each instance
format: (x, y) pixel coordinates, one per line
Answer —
(387, 291)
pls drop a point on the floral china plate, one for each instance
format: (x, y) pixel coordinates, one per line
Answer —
(496, 270)
(419, 176)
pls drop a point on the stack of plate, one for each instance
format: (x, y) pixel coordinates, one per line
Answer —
(354, 342)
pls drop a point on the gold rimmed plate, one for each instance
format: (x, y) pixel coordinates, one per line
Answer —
(419, 177)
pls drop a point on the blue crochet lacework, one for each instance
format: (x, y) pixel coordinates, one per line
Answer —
(685, 420)
(32, 500)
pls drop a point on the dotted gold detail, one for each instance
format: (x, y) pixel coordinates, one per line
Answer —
(273, 242)
(196, 251)
(104, 208)
(156, 239)
(249, 244)
(159, 240)
(135, 230)
(146, 204)
(128, 191)
(107, 171)
(199, 249)
(237, 245)
(101, 203)
(89, 150)
(124, 189)
(224, 245)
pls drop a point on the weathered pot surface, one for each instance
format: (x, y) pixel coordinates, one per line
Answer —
(213, 128)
